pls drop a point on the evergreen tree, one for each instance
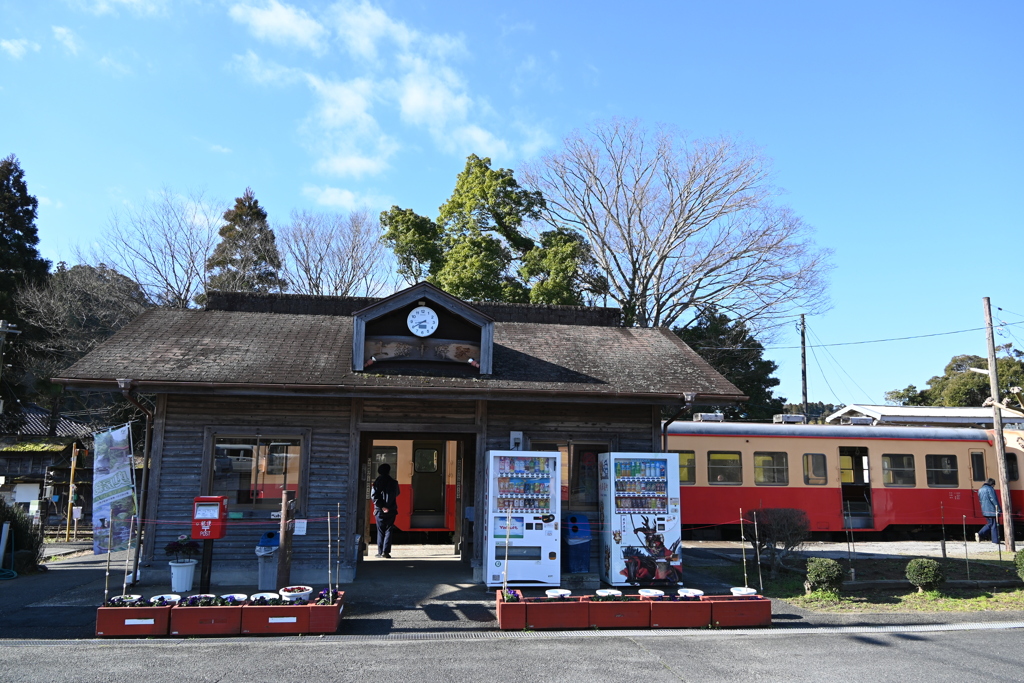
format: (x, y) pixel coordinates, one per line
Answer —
(730, 349)
(246, 260)
(20, 262)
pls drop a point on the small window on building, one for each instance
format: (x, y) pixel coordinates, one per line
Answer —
(1012, 473)
(724, 468)
(687, 467)
(898, 470)
(978, 466)
(253, 471)
(941, 470)
(771, 468)
(815, 471)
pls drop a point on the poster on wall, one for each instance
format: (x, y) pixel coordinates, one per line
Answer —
(113, 502)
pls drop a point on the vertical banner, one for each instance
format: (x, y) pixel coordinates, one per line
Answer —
(113, 498)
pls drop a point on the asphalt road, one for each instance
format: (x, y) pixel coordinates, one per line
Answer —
(907, 657)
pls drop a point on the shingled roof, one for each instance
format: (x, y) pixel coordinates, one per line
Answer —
(265, 353)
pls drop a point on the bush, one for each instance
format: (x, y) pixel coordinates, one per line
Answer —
(27, 537)
(1018, 561)
(780, 531)
(824, 574)
(925, 574)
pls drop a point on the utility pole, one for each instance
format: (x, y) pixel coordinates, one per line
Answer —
(803, 360)
(997, 430)
(5, 329)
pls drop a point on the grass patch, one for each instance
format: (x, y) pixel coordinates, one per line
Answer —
(790, 587)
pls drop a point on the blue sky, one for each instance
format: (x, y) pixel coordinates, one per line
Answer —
(895, 128)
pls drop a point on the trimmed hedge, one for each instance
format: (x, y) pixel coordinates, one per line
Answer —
(1018, 561)
(925, 574)
(824, 574)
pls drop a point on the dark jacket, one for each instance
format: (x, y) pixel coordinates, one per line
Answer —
(385, 494)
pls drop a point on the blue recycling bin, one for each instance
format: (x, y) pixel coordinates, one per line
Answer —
(576, 553)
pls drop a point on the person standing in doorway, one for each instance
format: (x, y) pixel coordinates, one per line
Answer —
(989, 510)
(385, 508)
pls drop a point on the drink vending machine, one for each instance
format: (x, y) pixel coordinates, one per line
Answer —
(521, 533)
(639, 518)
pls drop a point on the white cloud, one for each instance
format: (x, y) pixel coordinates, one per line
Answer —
(344, 199)
(281, 24)
(361, 26)
(111, 64)
(18, 47)
(263, 72)
(220, 149)
(67, 38)
(137, 7)
(46, 201)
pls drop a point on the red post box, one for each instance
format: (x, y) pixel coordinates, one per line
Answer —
(209, 517)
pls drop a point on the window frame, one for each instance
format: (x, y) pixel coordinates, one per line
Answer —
(809, 473)
(774, 468)
(1012, 467)
(931, 472)
(305, 435)
(572, 451)
(978, 458)
(888, 469)
(739, 468)
(692, 468)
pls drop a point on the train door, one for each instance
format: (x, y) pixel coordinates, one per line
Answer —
(855, 482)
(428, 485)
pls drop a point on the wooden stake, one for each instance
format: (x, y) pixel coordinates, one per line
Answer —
(71, 494)
(106, 578)
(743, 547)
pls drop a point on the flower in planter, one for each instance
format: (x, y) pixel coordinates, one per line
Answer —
(511, 596)
(205, 601)
(182, 547)
(161, 602)
(326, 597)
(268, 602)
(127, 601)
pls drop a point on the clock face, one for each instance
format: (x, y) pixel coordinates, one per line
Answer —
(422, 321)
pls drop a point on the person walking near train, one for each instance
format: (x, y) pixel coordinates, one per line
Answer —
(385, 508)
(989, 510)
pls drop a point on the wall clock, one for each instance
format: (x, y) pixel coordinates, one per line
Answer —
(422, 321)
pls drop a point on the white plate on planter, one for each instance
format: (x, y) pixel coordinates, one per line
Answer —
(203, 595)
(689, 592)
(268, 596)
(127, 598)
(557, 593)
(608, 593)
(650, 593)
(169, 597)
(743, 590)
(302, 594)
(239, 597)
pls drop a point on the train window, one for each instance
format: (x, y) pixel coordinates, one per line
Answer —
(898, 470)
(425, 460)
(978, 466)
(1012, 473)
(815, 471)
(941, 470)
(724, 468)
(687, 467)
(253, 471)
(771, 468)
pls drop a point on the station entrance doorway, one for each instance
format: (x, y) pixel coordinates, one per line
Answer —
(435, 477)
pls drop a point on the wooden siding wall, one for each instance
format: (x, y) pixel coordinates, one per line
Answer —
(184, 420)
(624, 427)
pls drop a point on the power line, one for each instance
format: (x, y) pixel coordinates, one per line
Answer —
(837, 364)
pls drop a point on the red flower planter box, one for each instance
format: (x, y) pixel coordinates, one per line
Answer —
(275, 618)
(132, 621)
(732, 611)
(326, 618)
(669, 613)
(511, 615)
(629, 612)
(564, 614)
(206, 621)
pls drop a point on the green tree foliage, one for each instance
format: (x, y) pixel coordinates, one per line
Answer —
(824, 574)
(817, 411)
(925, 573)
(959, 387)
(20, 262)
(730, 348)
(478, 248)
(246, 260)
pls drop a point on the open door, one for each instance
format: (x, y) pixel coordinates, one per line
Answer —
(428, 485)
(855, 481)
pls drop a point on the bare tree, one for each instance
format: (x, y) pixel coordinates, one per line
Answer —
(163, 245)
(678, 225)
(333, 254)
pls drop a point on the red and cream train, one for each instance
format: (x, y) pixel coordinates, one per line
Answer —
(865, 478)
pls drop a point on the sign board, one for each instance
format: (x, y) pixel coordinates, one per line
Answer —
(113, 497)
(76, 512)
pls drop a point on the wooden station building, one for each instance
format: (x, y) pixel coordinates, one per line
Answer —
(258, 394)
